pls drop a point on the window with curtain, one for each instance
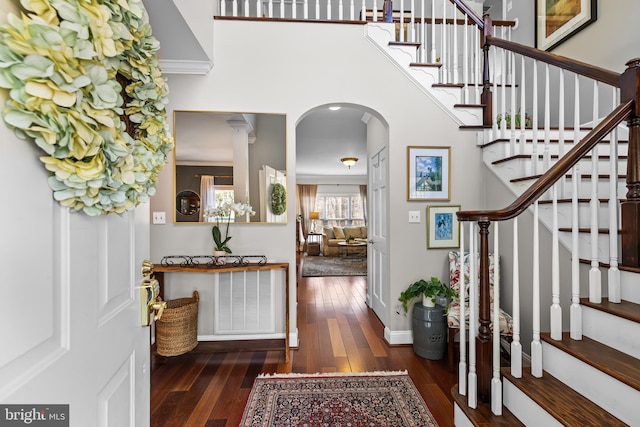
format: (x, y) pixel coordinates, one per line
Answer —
(340, 210)
(212, 195)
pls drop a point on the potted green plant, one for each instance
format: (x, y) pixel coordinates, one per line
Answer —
(428, 290)
(428, 320)
(350, 240)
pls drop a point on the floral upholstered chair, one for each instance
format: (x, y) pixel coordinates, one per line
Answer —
(453, 314)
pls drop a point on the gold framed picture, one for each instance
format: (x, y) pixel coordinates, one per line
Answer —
(558, 20)
(428, 173)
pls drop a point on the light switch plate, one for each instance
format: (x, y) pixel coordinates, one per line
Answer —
(414, 216)
(159, 218)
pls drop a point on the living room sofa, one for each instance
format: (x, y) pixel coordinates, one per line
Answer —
(331, 236)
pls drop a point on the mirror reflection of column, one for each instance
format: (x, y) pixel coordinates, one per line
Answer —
(241, 131)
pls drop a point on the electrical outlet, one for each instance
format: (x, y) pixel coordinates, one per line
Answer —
(414, 216)
(159, 218)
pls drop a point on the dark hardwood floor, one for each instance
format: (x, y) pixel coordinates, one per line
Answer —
(338, 333)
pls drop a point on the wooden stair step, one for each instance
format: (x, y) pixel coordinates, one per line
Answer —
(586, 230)
(566, 405)
(552, 156)
(581, 200)
(482, 415)
(469, 105)
(425, 64)
(621, 267)
(551, 141)
(410, 44)
(624, 309)
(616, 364)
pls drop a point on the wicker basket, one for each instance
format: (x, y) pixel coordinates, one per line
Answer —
(177, 329)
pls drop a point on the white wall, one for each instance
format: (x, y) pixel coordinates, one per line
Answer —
(291, 68)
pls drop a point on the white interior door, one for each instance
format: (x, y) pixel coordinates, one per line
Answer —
(378, 265)
(71, 332)
(269, 176)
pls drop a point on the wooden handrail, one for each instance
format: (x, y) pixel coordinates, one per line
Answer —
(556, 172)
(596, 73)
(470, 13)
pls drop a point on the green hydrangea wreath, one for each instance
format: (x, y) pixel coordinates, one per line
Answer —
(85, 85)
(278, 199)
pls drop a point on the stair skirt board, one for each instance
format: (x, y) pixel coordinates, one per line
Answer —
(524, 408)
(610, 394)
(612, 331)
(460, 418)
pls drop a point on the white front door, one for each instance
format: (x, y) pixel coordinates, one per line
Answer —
(378, 267)
(70, 328)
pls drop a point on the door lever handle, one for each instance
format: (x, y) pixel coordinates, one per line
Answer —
(158, 307)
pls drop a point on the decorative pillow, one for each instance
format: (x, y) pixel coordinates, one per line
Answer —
(338, 232)
(351, 232)
(328, 231)
(453, 317)
(363, 232)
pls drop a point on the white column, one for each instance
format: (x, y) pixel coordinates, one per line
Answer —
(241, 131)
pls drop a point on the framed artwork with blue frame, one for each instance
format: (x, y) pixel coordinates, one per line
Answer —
(443, 228)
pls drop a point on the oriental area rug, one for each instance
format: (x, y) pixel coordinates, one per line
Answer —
(375, 399)
(318, 266)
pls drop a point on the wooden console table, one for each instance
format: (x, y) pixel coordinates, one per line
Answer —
(159, 270)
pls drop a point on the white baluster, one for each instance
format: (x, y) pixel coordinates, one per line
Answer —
(401, 21)
(510, 78)
(595, 277)
(462, 365)
(246, 8)
(433, 31)
(456, 77)
(576, 309)
(556, 309)
(443, 43)
(423, 34)
(503, 95)
(281, 8)
(270, 8)
(561, 150)
(328, 10)
(512, 136)
(412, 35)
(614, 272)
(294, 11)
(495, 126)
(523, 114)
(375, 11)
(363, 11)
(536, 345)
(534, 121)
(352, 10)
(466, 63)
(235, 7)
(305, 9)
(472, 399)
(575, 321)
(259, 8)
(516, 346)
(546, 155)
(223, 8)
(340, 12)
(478, 52)
(496, 384)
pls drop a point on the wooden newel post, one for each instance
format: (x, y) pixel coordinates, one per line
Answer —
(630, 209)
(484, 338)
(485, 97)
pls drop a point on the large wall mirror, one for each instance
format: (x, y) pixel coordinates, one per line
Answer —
(229, 157)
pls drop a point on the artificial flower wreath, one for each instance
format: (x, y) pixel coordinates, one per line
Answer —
(86, 86)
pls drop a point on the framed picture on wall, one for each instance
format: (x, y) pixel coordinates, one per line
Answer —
(558, 20)
(428, 173)
(443, 228)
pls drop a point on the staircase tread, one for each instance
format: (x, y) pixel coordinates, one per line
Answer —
(565, 404)
(621, 267)
(551, 141)
(586, 230)
(411, 44)
(482, 415)
(454, 85)
(425, 64)
(625, 309)
(619, 365)
(469, 105)
(552, 156)
(582, 176)
(581, 200)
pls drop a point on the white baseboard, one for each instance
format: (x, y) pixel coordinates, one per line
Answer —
(398, 337)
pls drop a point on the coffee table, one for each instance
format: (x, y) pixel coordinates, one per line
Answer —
(347, 249)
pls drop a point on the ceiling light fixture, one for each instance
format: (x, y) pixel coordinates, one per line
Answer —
(335, 108)
(349, 161)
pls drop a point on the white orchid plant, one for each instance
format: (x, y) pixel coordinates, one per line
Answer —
(84, 84)
(223, 213)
